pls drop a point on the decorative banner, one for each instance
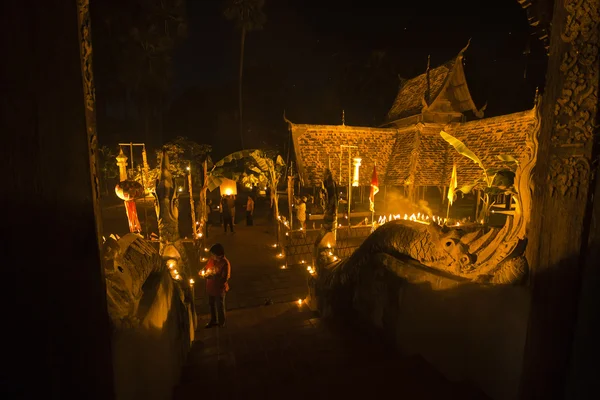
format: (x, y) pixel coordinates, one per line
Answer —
(374, 189)
(452, 187)
(132, 217)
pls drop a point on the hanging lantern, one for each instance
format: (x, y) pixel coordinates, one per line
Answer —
(228, 187)
(129, 190)
(356, 162)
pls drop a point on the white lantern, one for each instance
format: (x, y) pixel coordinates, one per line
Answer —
(228, 187)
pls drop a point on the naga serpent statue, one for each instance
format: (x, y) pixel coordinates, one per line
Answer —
(469, 253)
(167, 212)
(133, 266)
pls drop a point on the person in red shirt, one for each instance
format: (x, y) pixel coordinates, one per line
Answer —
(217, 273)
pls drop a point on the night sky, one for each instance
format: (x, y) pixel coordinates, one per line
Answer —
(296, 62)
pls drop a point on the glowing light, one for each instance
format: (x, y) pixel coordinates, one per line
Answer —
(329, 245)
(308, 268)
(192, 281)
(283, 267)
(280, 255)
(181, 189)
(299, 302)
(206, 249)
(335, 258)
(228, 192)
(197, 223)
(275, 245)
(203, 272)
(302, 262)
(187, 168)
(177, 277)
(199, 235)
(356, 162)
(203, 259)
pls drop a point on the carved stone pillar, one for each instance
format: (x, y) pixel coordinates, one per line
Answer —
(562, 198)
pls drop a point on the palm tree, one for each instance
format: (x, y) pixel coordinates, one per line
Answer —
(248, 16)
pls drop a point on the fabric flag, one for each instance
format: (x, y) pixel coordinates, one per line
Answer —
(374, 189)
(453, 185)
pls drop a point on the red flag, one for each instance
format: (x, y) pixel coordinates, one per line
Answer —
(374, 189)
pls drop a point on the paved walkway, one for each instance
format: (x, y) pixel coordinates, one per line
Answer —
(256, 273)
(283, 350)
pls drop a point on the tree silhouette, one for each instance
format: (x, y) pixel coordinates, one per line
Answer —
(248, 17)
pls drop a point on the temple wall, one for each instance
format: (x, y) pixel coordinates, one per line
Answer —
(317, 145)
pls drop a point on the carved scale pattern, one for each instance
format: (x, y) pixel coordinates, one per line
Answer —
(89, 96)
(576, 105)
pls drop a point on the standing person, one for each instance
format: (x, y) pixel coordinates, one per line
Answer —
(301, 212)
(249, 211)
(217, 273)
(231, 202)
(226, 212)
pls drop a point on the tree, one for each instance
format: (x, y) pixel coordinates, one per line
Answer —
(135, 42)
(182, 153)
(108, 165)
(266, 166)
(248, 17)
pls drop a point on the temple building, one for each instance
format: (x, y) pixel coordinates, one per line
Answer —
(408, 149)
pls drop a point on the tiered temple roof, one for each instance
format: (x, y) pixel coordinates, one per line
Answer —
(409, 149)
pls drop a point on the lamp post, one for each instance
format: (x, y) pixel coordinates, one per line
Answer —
(349, 177)
(122, 160)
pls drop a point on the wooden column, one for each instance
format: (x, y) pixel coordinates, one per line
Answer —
(562, 202)
(55, 313)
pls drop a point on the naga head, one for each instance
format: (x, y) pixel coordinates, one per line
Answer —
(167, 210)
(457, 252)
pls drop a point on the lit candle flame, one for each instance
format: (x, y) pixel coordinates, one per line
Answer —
(192, 281)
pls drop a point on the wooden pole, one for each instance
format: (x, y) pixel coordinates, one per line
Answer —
(192, 208)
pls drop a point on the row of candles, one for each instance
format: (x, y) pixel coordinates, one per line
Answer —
(419, 218)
